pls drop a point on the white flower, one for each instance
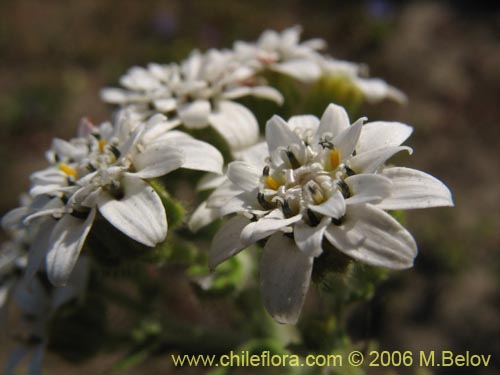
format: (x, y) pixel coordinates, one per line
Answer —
(112, 178)
(373, 89)
(198, 93)
(321, 180)
(283, 53)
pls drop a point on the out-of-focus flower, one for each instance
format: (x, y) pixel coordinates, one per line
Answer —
(110, 176)
(284, 53)
(373, 90)
(321, 180)
(199, 92)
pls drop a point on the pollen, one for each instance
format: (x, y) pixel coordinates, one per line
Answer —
(66, 169)
(271, 183)
(334, 159)
(102, 143)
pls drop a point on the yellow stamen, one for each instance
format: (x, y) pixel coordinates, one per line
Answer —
(65, 168)
(271, 183)
(334, 159)
(102, 143)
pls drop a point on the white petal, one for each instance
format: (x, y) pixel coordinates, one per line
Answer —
(242, 202)
(367, 188)
(39, 247)
(157, 159)
(66, 149)
(264, 92)
(382, 134)
(202, 216)
(244, 175)
(375, 90)
(195, 115)
(165, 105)
(54, 207)
(414, 189)
(332, 207)
(65, 244)
(114, 96)
(374, 237)
(291, 35)
(308, 239)
(315, 43)
(139, 214)
(370, 161)
(334, 121)
(236, 124)
(285, 274)
(131, 140)
(269, 93)
(279, 135)
(14, 218)
(138, 78)
(226, 241)
(222, 194)
(346, 141)
(255, 154)
(211, 181)
(198, 155)
(76, 287)
(303, 70)
(264, 227)
(304, 124)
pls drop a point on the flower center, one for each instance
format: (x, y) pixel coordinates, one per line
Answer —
(304, 175)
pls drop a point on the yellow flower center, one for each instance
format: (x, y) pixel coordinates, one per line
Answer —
(66, 169)
(271, 183)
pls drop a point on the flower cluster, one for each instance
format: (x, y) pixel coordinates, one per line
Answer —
(312, 186)
(200, 91)
(105, 169)
(314, 180)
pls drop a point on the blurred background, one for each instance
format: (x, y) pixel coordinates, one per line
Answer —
(56, 55)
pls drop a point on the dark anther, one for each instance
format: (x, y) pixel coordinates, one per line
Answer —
(326, 144)
(312, 217)
(80, 214)
(57, 158)
(354, 153)
(293, 160)
(96, 136)
(349, 171)
(262, 201)
(289, 235)
(285, 207)
(344, 188)
(115, 151)
(338, 222)
(91, 168)
(312, 189)
(265, 171)
(117, 192)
